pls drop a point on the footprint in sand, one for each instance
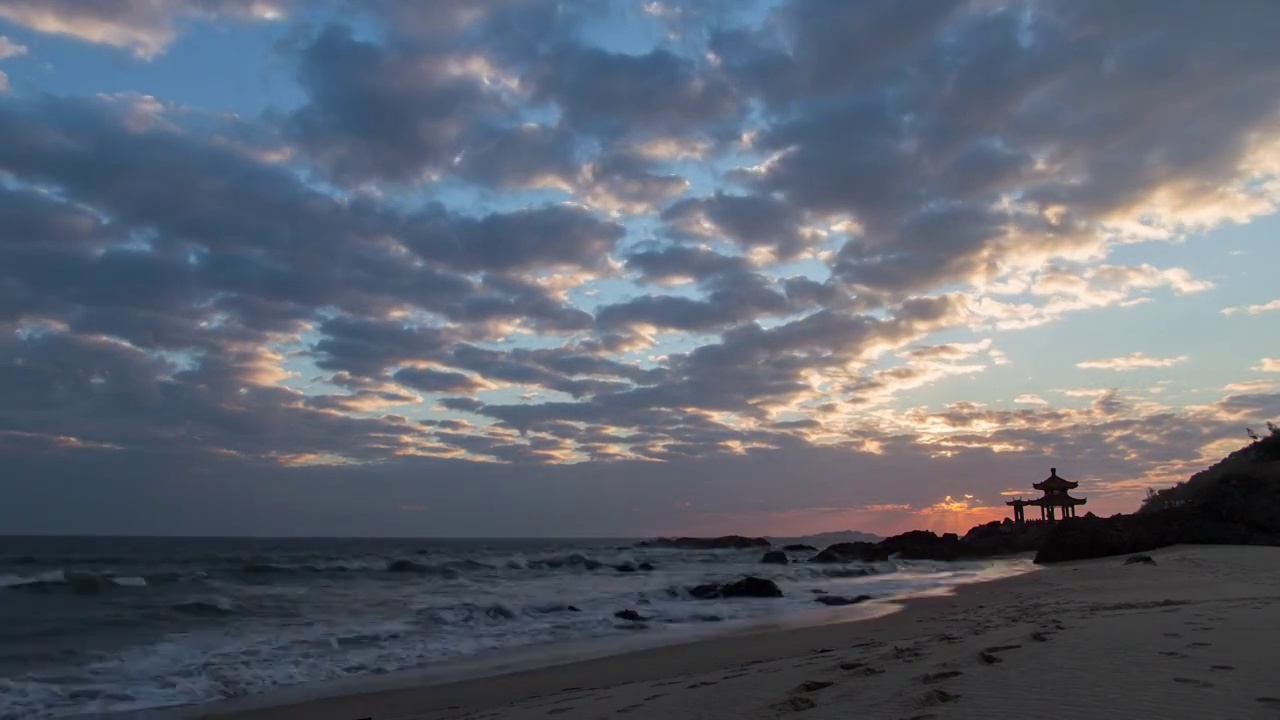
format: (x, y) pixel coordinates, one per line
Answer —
(796, 703)
(559, 710)
(812, 686)
(1172, 635)
(704, 683)
(1222, 667)
(1193, 682)
(938, 696)
(939, 676)
(1269, 701)
(1200, 645)
(1173, 654)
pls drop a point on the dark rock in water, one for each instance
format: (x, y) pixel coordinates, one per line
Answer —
(775, 557)
(631, 615)
(1139, 560)
(404, 566)
(817, 591)
(644, 567)
(838, 600)
(800, 548)
(751, 587)
(727, 542)
(846, 572)
(710, 618)
(200, 608)
(923, 545)
(572, 608)
(499, 612)
(705, 592)
(87, 583)
(625, 568)
(851, 552)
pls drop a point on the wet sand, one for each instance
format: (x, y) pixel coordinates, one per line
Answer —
(1195, 636)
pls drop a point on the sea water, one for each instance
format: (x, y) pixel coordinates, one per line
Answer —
(110, 625)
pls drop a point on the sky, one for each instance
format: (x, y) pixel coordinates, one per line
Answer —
(591, 268)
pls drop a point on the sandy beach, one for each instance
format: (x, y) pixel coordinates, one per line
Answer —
(1195, 636)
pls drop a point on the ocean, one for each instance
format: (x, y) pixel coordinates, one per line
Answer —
(92, 626)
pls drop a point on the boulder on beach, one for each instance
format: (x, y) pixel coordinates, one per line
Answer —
(1139, 560)
(726, 542)
(630, 615)
(775, 557)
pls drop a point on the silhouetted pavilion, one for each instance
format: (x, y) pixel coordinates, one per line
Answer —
(1055, 497)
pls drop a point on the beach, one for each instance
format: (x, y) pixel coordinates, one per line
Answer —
(1197, 635)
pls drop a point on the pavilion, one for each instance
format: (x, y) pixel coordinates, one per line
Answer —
(1055, 497)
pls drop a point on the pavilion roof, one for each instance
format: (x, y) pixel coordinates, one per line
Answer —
(1053, 482)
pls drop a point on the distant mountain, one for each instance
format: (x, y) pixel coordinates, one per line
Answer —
(822, 540)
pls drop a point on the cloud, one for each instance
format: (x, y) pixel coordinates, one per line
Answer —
(745, 244)
(11, 49)
(1132, 361)
(1268, 365)
(1253, 309)
(143, 27)
(1250, 386)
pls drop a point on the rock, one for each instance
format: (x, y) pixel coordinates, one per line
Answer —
(1139, 560)
(727, 542)
(1004, 538)
(87, 583)
(839, 600)
(705, 592)
(775, 557)
(631, 615)
(403, 566)
(625, 568)
(746, 587)
(851, 552)
(751, 587)
(644, 567)
(923, 545)
(800, 548)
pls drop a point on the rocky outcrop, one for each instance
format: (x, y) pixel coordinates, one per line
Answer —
(775, 557)
(851, 552)
(746, 587)
(1004, 538)
(1240, 507)
(727, 542)
(924, 545)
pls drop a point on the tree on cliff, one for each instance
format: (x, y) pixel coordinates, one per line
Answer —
(1254, 457)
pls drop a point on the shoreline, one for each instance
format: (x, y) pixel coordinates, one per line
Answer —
(538, 665)
(1188, 637)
